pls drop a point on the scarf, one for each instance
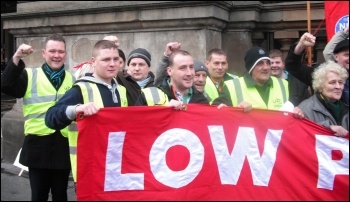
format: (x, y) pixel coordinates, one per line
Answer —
(144, 82)
(55, 76)
(333, 107)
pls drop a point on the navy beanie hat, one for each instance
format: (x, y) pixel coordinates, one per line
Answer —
(140, 53)
(253, 56)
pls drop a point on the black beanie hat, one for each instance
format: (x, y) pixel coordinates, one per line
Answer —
(253, 56)
(140, 53)
(343, 45)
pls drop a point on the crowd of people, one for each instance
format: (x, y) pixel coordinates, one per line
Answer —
(51, 103)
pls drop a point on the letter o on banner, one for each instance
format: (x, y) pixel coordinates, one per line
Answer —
(157, 157)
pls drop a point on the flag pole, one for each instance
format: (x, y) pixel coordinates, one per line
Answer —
(309, 50)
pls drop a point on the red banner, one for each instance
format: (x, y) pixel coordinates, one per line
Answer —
(337, 16)
(203, 153)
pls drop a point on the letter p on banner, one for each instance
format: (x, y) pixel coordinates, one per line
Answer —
(337, 16)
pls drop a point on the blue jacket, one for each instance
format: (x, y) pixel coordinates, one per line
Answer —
(56, 117)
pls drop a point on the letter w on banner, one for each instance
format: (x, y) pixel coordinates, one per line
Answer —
(337, 16)
(203, 153)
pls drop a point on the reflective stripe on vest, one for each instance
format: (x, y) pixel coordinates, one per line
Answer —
(239, 92)
(155, 96)
(39, 97)
(211, 89)
(90, 93)
(232, 75)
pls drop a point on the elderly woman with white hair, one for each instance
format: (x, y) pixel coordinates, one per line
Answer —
(325, 106)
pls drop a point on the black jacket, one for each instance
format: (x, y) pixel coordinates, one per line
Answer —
(197, 96)
(133, 90)
(304, 73)
(56, 116)
(46, 152)
(298, 91)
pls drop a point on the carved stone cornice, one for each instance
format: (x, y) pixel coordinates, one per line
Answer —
(92, 16)
(273, 17)
(121, 17)
(184, 24)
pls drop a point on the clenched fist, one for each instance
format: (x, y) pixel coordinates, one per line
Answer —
(23, 51)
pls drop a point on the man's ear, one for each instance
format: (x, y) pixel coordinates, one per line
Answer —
(92, 61)
(335, 57)
(168, 70)
(43, 52)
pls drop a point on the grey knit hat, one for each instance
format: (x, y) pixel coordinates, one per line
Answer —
(140, 53)
(199, 66)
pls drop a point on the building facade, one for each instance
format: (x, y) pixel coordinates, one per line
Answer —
(234, 26)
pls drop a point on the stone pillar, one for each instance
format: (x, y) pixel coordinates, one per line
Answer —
(257, 38)
(286, 43)
(236, 45)
(1, 145)
(13, 132)
(286, 38)
(319, 47)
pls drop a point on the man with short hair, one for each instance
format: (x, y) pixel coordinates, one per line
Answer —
(201, 71)
(217, 64)
(161, 72)
(298, 91)
(179, 84)
(88, 95)
(138, 74)
(200, 77)
(45, 151)
(256, 87)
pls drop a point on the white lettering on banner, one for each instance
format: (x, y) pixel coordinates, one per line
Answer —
(328, 168)
(230, 165)
(157, 157)
(115, 180)
(342, 23)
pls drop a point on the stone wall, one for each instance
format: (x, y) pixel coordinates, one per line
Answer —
(199, 26)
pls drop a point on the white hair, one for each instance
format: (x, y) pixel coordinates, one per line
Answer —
(112, 38)
(320, 73)
(86, 68)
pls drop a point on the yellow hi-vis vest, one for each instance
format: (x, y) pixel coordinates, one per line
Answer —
(90, 93)
(38, 98)
(154, 96)
(210, 88)
(239, 92)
